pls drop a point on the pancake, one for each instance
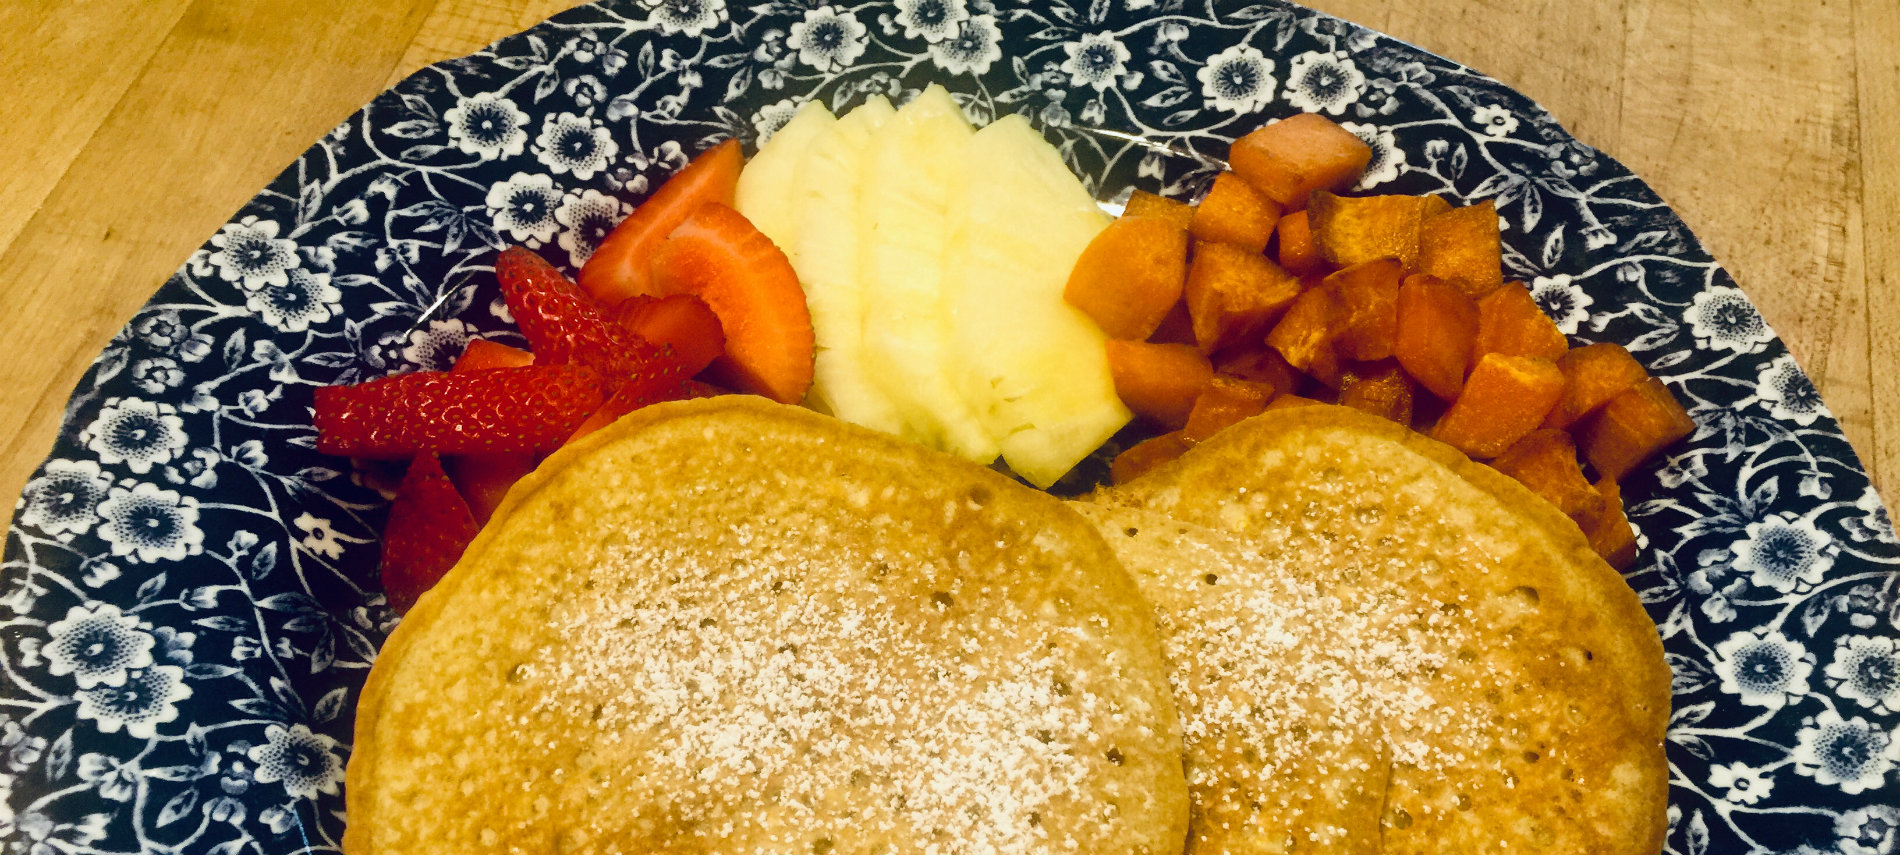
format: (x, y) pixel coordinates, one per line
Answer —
(1380, 646)
(732, 626)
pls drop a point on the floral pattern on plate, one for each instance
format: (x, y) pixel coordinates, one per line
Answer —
(189, 600)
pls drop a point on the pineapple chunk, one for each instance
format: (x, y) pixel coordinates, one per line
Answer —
(1035, 366)
(766, 185)
(825, 194)
(918, 163)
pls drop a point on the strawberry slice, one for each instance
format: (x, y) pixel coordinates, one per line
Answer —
(482, 353)
(533, 408)
(429, 527)
(621, 266)
(719, 257)
(484, 479)
(564, 325)
(680, 321)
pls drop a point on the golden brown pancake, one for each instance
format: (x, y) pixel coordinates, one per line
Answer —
(732, 626)
(1380, 646)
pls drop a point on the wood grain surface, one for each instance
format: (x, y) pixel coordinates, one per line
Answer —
(137, 127)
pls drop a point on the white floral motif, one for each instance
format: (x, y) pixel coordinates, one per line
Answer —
(1721, 318)
(63, 501)
(1494, 120)
(827, 39)
(586, 218)
(436, 346)
(575, 145)
(1874, 523)
(1388, 160)
(1238, 80)
(139, 434)
(250, 254)
(147, 524)
(1784, 552)
(1098, 60)
(319, 535)
(691, 18)
(488, 126)
(523, 206)
(305, 762)
(1853, 754)
(1765, 670)
(1563, 300)
(292, 307)
(148, 699)
(771, 117)
(1788, 393)
(1866, 670)
(1869, 831)
(1323, 81)
(930, 20)
(1745, 784)
(977, 44)
(97, 644)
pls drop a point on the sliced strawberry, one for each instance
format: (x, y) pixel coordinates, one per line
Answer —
(429, 526)
(530, 409)
(562, 324)
(482, 353)
(680, 321)
(621, 266)
(717, 256)
(635, 394)
(484, 478)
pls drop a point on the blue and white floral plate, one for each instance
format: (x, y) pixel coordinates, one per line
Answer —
(189, 604)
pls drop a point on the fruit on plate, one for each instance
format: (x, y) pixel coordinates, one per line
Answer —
(769, 182)
(565, 326)
(429, 525)
(621, 266)
(1031, 365)
(533, 408)
(916, 169)
(483, 479)
(719, 257)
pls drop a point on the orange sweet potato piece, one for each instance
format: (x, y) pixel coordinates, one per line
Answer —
(1380, 388)
(1261, 364)
(1436, 326)
(1509, 322)
(1233, 212)
(1352, 229)
(1593, 374)
(1129, 276)
(1223, 402)
(1632, 427)
(1368, 294)
(1546, 462)
(1234, 293)
(1176, 328)
(1297, 253)
(1434, 206)
(1461, 247)
(1142, 203)
(1306, 336)
(1504, 398)
(1609, 532)
(1289, 159)
(1137, 459)
(1158, 381)
(1281, 402)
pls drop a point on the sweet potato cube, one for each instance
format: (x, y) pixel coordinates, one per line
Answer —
(1353, 229)
(1436, 326)
(1233, 212)
(1158, 381)
(1233, 294)
(1368, 294)
(1609, 532)
(1261, 364)
(1281, 402)
(1137, 459)
(1461, 247)
(1306, 334)
(1593, 374)
(1546, 462)
(1509, 322)
(1380, 388)
(1297, 253)
(1145, 204)
(1504, 398)
(1632, 427)
(1295, 156)
(1434, 206)
(1129, 276)
(1223, 402)
(1176, 328)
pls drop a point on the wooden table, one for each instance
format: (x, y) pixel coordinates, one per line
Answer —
(136, 127)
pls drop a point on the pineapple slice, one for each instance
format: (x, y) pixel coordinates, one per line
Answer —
(918, 163)
(766, 185)
(826, 189)
(1035, 366)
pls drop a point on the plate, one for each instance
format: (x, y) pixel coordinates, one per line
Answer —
(189, 591)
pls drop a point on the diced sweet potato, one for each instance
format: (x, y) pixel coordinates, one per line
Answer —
(1296, 252)
(1306, 334)
(1223, 402)
(1281, 402)
(1368, 295)
(1504, 398)
(1295, 156)
(1145, 204)
(1233, 294)
(1176, 328)
(1509, 322)
(1137, 459)
(1609, 532)
(1158, 381)
(1546, 462)
(1129, 276)
(1435, 329)
(1353, 229)
(1233, 212)
(1261, 364)
(1461, 247)
(1380, 388)
(1632, 427)
(1434, 206)
(1593, 374)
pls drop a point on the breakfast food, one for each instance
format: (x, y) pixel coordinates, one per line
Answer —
(1380, 646)
(730, 625)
